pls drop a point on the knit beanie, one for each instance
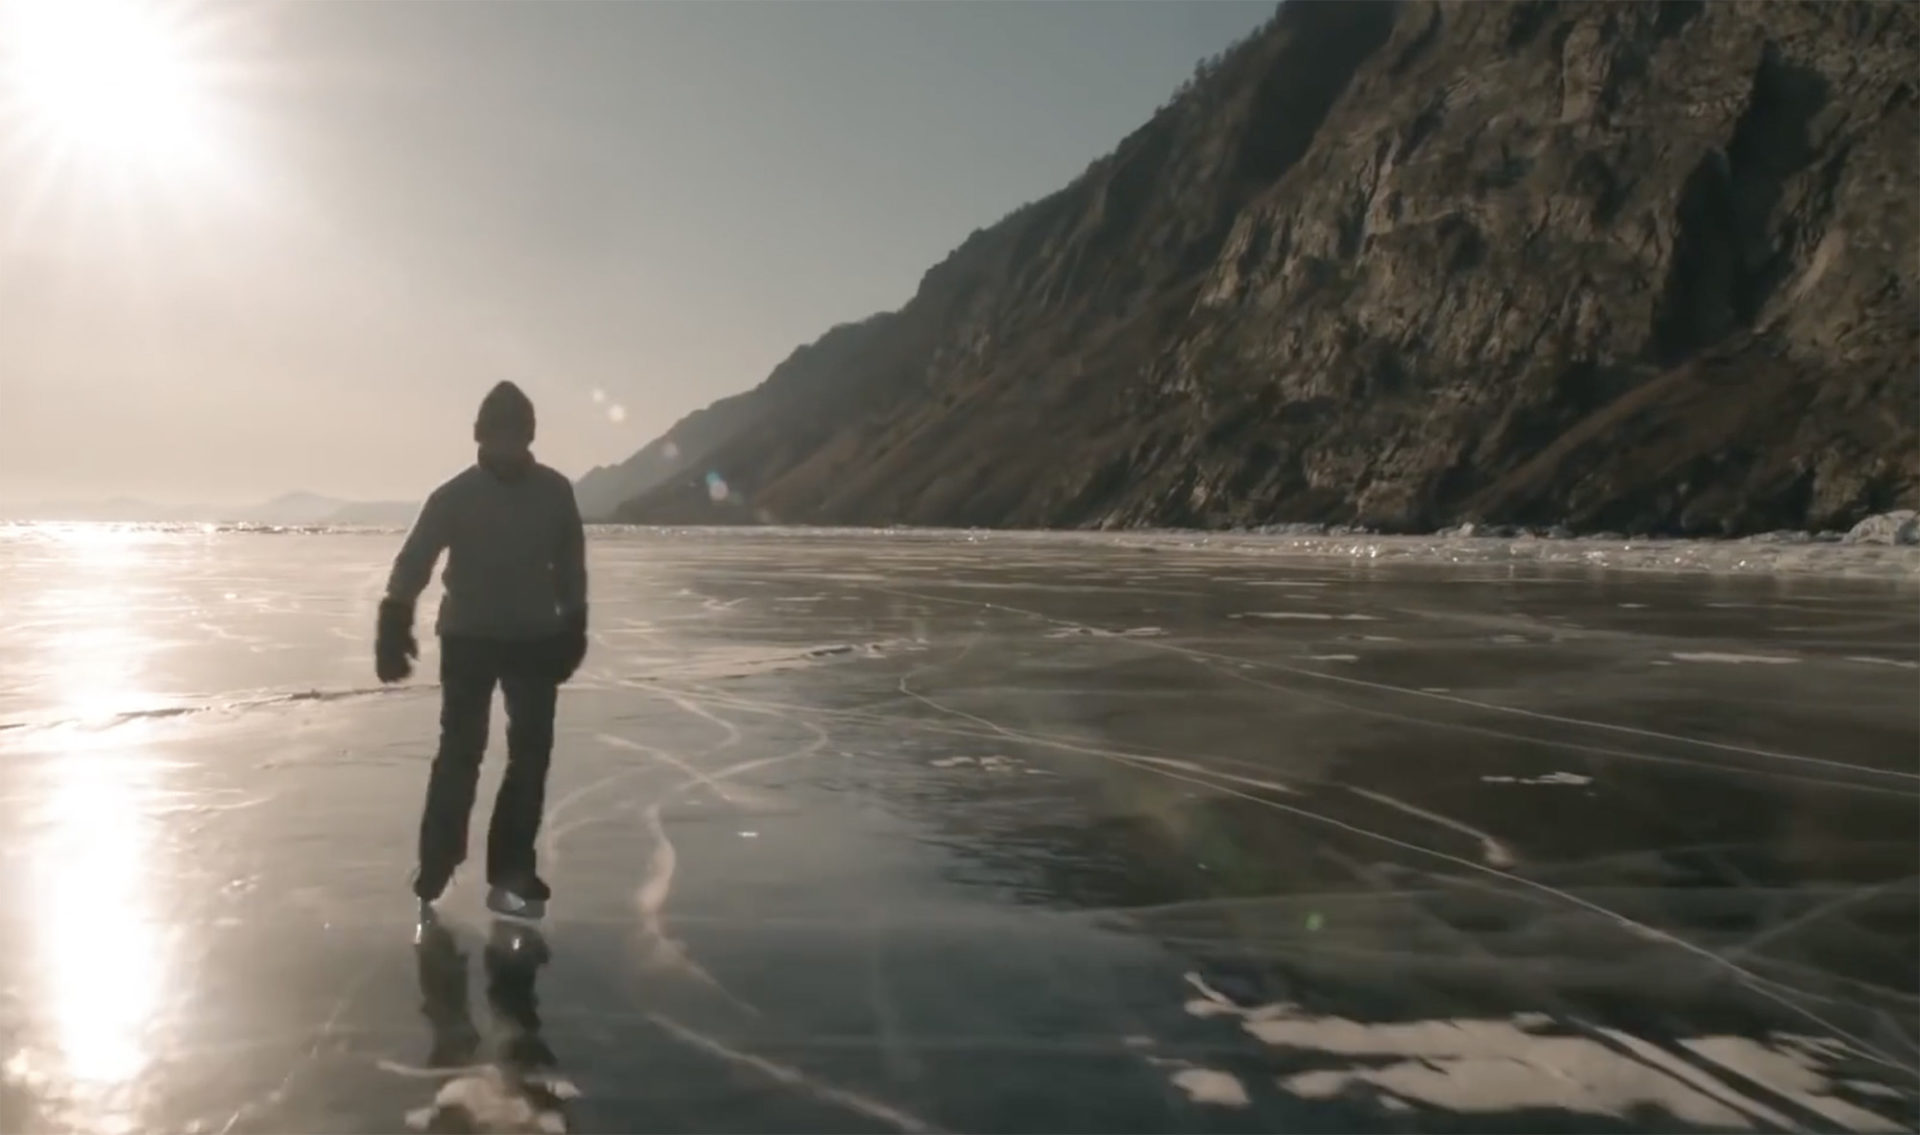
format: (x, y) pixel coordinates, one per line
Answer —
(505, 408)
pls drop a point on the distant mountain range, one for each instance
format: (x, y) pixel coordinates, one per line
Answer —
(1644, 268)
(293, 510)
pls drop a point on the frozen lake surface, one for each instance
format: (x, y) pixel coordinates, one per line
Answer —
(942, 832)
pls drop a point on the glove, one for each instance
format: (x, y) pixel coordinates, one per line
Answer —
(394, 647)
(570, 646)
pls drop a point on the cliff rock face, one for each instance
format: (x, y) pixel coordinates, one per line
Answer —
(1644, 267)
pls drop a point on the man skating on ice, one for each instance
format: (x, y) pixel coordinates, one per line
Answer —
(514, 615)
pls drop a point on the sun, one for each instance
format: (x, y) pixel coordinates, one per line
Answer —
(112, 84)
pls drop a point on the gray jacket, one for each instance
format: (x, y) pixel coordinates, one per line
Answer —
(516, 554)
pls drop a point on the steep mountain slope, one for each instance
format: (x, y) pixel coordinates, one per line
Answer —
(1648, 267)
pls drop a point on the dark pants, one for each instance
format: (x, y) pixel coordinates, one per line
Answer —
(469, 669)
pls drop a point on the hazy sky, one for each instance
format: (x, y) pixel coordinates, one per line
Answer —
(394, 205)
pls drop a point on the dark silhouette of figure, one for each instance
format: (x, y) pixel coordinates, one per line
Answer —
(514, 616)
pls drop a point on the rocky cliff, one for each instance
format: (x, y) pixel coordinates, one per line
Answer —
(1645, 267)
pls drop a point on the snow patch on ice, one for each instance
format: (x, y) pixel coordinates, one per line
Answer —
(1572, 778)
(1096, 632)
(1903, 663)
(1315, 616)
(990, 763)
(1482, 1066)
(1204, 1085)
(1211, 1086)
(1791, 1073)
(1733, 659)
(1333, 658)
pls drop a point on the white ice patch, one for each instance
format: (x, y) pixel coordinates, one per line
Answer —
(1791, 1073)
(1573, 778)
(1204, 1085)
(993, 762)
(1473, 1066)
(1210, 1086)
(1869, 659)
(1096, 632)
(1333, 658)
(1734, 659)
(1314, 616)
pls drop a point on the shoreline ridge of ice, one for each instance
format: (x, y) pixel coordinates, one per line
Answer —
(1830, 555)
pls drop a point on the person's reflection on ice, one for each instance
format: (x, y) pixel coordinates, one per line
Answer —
(517, 1090)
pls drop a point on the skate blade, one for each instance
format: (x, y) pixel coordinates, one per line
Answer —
(525, 911)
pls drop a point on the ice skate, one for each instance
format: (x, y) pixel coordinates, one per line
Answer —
(525, 899)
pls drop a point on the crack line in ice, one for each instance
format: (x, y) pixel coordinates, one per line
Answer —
(687, 705)
(657, 885)
(1661, 1059)
(1787, 1074)
(1046, 741)
(1385, 687)
(1641, 929)
(1814, 914)
(1761, 985)
(794, 1078)
(267, 701)
(651, 899)
(327, 1028)
(1496, 1064)
(1136, 759)
(718, 789)
(553, 830)
(1497, 854)
(1573, 746)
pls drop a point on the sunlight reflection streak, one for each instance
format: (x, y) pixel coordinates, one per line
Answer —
(101, 955)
